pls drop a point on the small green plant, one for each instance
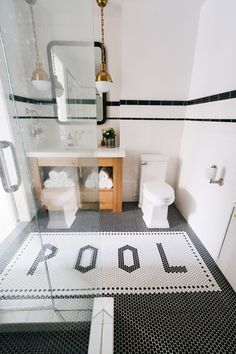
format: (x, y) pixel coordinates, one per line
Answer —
(109, 133)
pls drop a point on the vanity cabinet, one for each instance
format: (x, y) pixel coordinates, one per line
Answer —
(109, 199)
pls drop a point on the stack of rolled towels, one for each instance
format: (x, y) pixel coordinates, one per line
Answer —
(102, 180)
(59, 179)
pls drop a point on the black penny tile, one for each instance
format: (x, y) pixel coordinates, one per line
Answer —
(183, 323)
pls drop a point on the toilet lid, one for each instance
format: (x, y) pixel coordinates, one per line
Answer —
(160, 191)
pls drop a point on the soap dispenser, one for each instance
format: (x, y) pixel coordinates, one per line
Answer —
(70, 141)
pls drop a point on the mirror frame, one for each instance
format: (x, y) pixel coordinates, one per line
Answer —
(74, 44)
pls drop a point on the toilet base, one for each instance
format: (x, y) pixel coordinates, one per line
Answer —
(157, 224)
(154, 216)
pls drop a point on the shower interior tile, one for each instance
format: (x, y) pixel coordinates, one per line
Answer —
(13, 316)
(47, 303)
(9, 303)
(40, 316)
(79, 304)
(32, 303)
(71, 316)
(60, 304)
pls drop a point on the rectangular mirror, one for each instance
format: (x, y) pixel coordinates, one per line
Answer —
(73, 81)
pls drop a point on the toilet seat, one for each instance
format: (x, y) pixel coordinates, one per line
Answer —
(159, 192)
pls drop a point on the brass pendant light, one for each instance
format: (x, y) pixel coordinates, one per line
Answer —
(39, 78)
(103, 78)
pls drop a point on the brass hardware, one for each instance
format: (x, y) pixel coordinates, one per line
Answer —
(39, 73)
(103, 77)
(102, 3)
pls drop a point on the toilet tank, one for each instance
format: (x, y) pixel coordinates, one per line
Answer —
(153, 167)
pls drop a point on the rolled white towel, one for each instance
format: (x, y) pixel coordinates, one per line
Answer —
(92, 180)
(62, 176)
(106, 184)
(103, 176)
(53, 174)
(50, 183)
(89, 183)
(69, 183)
(62, 172)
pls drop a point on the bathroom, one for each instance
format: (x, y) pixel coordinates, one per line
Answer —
(173, 94)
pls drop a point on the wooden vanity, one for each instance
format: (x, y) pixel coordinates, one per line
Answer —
(109, 199)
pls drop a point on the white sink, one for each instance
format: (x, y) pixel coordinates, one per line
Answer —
(76, 152)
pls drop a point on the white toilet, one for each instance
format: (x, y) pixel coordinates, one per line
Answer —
(155, 195)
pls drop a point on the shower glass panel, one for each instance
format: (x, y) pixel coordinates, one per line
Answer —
(18, 219)
(54, 124)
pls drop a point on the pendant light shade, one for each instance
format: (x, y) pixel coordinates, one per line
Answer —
(103, 78)
(40, 78)
(58, 87)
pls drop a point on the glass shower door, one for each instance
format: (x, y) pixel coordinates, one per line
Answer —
(19, 223)
(56, 134)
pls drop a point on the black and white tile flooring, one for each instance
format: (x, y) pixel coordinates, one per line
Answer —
(105, 263)
(177, 323)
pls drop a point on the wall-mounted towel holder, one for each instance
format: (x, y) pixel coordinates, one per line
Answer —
(211, 175)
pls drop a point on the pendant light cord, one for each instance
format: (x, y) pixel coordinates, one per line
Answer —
(102, 34)
(34, 32)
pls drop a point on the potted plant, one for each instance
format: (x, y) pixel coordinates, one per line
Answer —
(109, 136)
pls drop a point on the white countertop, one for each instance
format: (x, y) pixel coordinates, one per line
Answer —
(75, 152)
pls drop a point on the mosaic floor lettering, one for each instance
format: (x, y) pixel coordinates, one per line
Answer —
(88, 263)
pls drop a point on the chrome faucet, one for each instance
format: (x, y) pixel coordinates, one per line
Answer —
(34, 129)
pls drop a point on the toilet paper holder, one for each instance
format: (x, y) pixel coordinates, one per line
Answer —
(211, 175)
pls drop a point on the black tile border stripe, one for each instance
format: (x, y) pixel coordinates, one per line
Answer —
(49, 102)
(55, 117)
(233, 120)
(206, 99)
(219, 120)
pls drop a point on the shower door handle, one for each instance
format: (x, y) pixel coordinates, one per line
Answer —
(4, 175)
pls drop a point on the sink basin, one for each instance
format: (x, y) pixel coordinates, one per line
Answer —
(74, 151)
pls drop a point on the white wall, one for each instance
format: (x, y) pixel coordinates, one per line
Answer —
(214, 68)
(158, 41)
(155, 52)
(207, 207)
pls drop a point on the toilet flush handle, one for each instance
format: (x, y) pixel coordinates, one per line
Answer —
(144, 163)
